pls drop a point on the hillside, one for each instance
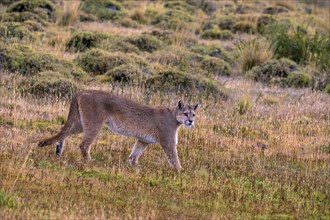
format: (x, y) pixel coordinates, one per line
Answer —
(260, 71)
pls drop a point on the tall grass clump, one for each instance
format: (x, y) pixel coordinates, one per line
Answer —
(70, 13)
(253, 53)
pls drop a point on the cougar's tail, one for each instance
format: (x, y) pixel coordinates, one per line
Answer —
(73, 118)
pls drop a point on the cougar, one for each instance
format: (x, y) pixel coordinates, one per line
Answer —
(150, 125)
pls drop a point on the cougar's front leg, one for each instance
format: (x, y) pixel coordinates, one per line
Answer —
(172, 155)
(136, 152)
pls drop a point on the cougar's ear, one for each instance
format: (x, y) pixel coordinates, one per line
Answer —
(196, 106)
(180, 105)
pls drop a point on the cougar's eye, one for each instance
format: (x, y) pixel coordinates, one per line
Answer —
(186, 114)
(193, 114)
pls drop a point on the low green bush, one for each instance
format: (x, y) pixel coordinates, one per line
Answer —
(49, 84)
(146, 42)
(103, 9)
(171, 19)
(244, 105)
(217, 34)
(298, 79)
(172, 81)
(82, 41)
(29, 63)
(96, 61)
(275, 10)
(43, 9)
(216, 67)
(23, 17)
(212, 50)
(263, 21)
(327, 88)
(227, 22)
(244, 27)
(14, 30)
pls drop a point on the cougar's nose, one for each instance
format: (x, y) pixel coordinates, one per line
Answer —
(190, 121)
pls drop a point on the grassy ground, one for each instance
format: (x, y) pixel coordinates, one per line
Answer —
(263, 153)
(271, 162)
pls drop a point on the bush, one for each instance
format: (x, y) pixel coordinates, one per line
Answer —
(212, 50)
(146, 42)
(171, 81)
(216, 34)
(125, 74)
(30, 63)
(274, 71)
(215, 66)
(227, 22)
(244, 105)
(82, 41)
(43, 9)
(298, 79)
(139, 17)
(327, 88)
(253, 53)
(23, 17)
(263, 21)
(14, 30)
(103, 9)
(49, 83)
(275, 10)
(243, 27)
(171, 19)
(299, 46)
(128, 23)
(97, 61)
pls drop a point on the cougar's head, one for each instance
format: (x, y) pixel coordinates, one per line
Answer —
(186, 114)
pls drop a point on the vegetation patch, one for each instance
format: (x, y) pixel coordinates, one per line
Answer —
(103, 9)
(217, 34)
(263, 21)
(98, 61)
(48, 84)
(215, 66)
(41, 9)
(146, 42)
(244, 27)
(14, 30)
(171, 19)
(29, 63)
(212, 50)
(82, 41)
(281, 72)
(227, 22)
(275, 10)
(171, 81)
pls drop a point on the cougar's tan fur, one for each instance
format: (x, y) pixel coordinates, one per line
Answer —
(89, 110)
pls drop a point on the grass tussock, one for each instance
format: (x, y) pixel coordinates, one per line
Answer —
(70, 13)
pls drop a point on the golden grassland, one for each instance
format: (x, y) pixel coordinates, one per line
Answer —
(271, 162)
(262, 153)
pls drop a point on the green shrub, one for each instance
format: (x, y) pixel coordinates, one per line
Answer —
(82, 41)
(171, 19)
(275, 10)
(165, 36)
(215, 66)
(212, 50)
(263, 21)
(298, 79)
(139, 17)
(49, 83)
(274, 71)
(146, 42)
(125, 74)
(128, 23)
(297, 45)
(244, 105)
(103, 9)
(180, 6)
(23, 17)
(44, 9)
(216, 34)
(97, 61)
(227, 22)
(14, 30)
(243, 27)
(327, 88)
(171, 81)
(30, 63)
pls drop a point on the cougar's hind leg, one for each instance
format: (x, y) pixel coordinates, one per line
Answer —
(90, 134)
(136, 152)
(75, 129)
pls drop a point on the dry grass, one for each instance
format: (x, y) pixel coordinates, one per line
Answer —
(69, 14)
(273, 159)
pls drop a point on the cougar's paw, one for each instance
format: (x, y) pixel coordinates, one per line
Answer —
(42, 143)
(58, 150)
